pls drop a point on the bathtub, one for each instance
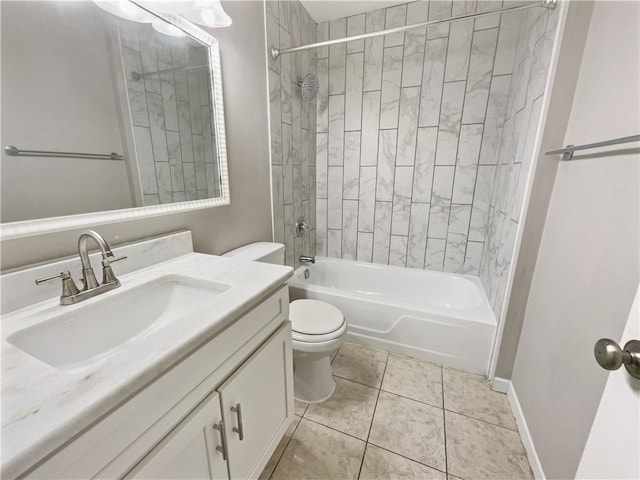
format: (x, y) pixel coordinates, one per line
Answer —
(440, 317)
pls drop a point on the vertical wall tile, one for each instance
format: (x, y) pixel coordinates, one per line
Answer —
(449, 127)
(322, 163)
(467, 163)
(490, 21)
(425, 162)
(472, 258)
(370, 123)
(494, 121)
(373, 51)
(417, 241)
(334, 195)
(144, 152)
(273, 40)
(351, 165)
(322, 112)
(278, 204)
(353, 98)
(402, 200)
(432, 82)
(480, 67)
(321, 227)
(507, 42)
(407, 131)
(275, 118)
(334, 243)
(414, 44)
(395, 17)
(289, 246)
(382, 233)
(390, 96)
(365, 247)
(355, 26)
(322, 35)
(285, 77)
(386, 165)
(458, 51)
(457, 238)
(481, 202)
(349, 229)
(336, 129)
(287, 163)
(440, 202)
(367, 197)
(337, 57)
(434, 259)
(439, 9)
(398, 251)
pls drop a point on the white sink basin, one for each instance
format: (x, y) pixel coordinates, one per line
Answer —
(93, 330)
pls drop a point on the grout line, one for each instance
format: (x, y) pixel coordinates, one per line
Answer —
(375, 407)
(444, 425)
(404, 456)
(284, 449)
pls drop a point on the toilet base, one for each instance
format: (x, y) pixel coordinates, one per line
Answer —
(312, 378)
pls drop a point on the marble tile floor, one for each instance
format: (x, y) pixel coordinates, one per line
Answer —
(394, 417)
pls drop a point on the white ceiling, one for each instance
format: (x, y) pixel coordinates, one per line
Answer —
(323, 10)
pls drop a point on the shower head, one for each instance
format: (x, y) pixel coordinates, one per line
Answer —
(309, 87)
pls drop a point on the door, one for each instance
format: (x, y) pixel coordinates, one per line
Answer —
(257, 404)
(191, 450)
(613, 445)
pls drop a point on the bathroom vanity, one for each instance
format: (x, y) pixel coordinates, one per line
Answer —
(196, 383)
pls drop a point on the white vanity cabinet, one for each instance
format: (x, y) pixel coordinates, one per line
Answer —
(218, 413)
(234, 425)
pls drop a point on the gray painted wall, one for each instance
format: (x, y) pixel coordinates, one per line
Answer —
(555, 126)
(49, 103)
(588, 265)
(215, 230)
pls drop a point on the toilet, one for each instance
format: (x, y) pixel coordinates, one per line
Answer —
(317, 329)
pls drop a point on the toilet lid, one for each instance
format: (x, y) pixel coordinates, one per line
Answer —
(313, 317)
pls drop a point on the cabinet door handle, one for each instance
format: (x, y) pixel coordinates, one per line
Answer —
(222, 449)
(239, 430)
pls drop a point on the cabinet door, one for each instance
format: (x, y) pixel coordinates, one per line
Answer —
(190, 450)
(257, 405)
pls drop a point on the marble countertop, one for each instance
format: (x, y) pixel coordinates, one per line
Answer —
(43, 407)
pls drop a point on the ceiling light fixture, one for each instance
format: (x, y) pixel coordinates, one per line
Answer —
(125, 9)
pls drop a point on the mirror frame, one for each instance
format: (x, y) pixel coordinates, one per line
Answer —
(39, 226)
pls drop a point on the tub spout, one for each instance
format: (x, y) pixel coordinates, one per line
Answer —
(304, 259)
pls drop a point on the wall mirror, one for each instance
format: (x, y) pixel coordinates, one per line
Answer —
(106, 119)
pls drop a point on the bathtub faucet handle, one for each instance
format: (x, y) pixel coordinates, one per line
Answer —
(304, 259)
(302, 227)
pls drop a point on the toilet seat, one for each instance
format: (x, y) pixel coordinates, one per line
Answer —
(314, 321)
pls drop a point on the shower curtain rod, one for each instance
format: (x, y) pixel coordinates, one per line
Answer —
(276, 52)
(139, 76)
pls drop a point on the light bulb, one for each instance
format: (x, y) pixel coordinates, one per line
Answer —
(209, 13)
(166, 28)
(125, 9)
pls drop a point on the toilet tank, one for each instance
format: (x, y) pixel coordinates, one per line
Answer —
(266, 252)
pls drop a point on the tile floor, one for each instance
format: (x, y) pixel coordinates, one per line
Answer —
(393, 417)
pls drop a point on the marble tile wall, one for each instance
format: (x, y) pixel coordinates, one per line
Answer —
(408, 130)
(507, 186)
(292, 127)
(172, 117)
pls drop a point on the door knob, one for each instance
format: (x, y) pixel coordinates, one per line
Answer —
(611, 357)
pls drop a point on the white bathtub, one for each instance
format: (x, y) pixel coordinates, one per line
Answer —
(441, 317)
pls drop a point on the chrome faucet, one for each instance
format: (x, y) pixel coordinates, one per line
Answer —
(90, 285)
(304, 259)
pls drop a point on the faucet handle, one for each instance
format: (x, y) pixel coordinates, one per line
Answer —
(108, 276)
(63, 275)
(69, 287)
(109, 260)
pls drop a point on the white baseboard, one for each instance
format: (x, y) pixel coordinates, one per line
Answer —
(500, 385)
(534, 461)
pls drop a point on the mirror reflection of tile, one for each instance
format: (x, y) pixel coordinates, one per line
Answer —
(171, 113)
